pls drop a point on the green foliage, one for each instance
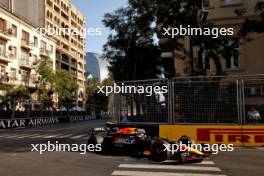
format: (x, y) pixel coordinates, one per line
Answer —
(252, 25)
(94, 98)
(173, 13)
(130, 49)
(44, 68)
(65, 86)
(12, 94)
(18, 93)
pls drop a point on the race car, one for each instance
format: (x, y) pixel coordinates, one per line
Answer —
(119, 141)
(135, 143)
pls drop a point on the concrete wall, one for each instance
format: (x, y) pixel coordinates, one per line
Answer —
(31, 10)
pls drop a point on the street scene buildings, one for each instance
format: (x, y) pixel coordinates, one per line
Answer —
(247, 59)
(69, 49)
(20, 47)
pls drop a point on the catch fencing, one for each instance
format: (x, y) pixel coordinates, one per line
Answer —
(193, 100)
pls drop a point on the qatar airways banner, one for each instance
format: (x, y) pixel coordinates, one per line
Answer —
(32, 122)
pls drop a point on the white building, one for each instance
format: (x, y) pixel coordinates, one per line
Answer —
(20, 46)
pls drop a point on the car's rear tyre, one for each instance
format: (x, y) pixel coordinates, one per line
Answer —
(95, 139)
(159, 152)
(107, 145)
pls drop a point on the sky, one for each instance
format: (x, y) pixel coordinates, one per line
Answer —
(94, 11)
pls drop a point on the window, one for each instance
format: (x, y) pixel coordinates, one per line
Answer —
(234, 61)
(24, 75)
(35, 41)
(13, 74)
(14, 52)
(24, 57)
(34, 58)
(43, 45)
(2, 70)
(2, 24)
(51, 48)
(232, 2)
(25, 37)
(14, 30)
(2, 48)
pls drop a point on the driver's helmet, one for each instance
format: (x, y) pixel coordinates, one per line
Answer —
(141, 133)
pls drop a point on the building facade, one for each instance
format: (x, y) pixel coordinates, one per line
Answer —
(247, 59)
(97, 67)
(20, 47)
(56, 14)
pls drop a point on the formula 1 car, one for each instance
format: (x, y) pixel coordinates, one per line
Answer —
(135, 143)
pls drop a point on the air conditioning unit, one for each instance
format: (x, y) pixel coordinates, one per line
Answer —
(10, 48)
(10, 31)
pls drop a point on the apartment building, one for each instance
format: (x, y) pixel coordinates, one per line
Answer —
(20, 47)
(247, 59)
(57, 14)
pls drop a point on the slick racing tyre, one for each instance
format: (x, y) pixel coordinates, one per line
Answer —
(95, 139)
(159, 152)
(107, 144)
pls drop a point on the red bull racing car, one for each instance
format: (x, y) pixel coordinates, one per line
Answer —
(135, 143)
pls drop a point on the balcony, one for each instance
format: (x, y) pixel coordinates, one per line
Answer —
(74, 65)
(25, 63)
(4, 34)
(74, 73)
(49, 2)
(4, 57)
(26, 44)
(44, 52)
(9, 80)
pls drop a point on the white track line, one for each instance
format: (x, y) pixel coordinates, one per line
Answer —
(11, 136)
(139, 173)
(144, 160)
(65, 136)
(38, 136)
(178, 167)
(78, 136)
(51, 136)
(25, 136)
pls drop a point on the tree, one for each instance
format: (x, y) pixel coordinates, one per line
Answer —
(191, 14)
(44, 70)
(65, 87)
(14, 94)
(93, 98)
(251, 25)
(130, 49)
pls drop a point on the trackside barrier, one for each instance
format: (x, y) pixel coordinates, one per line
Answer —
(33, 122)
(223, 109)
(224, 134)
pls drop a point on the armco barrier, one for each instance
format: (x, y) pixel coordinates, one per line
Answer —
(31, 122)
(216, 134)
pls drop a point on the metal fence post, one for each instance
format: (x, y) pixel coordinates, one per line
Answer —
(13, 109)
(238, 94)
(170, 101)
(243, 106)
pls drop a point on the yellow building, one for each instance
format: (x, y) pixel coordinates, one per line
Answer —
(248, 58)
(21, 46)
